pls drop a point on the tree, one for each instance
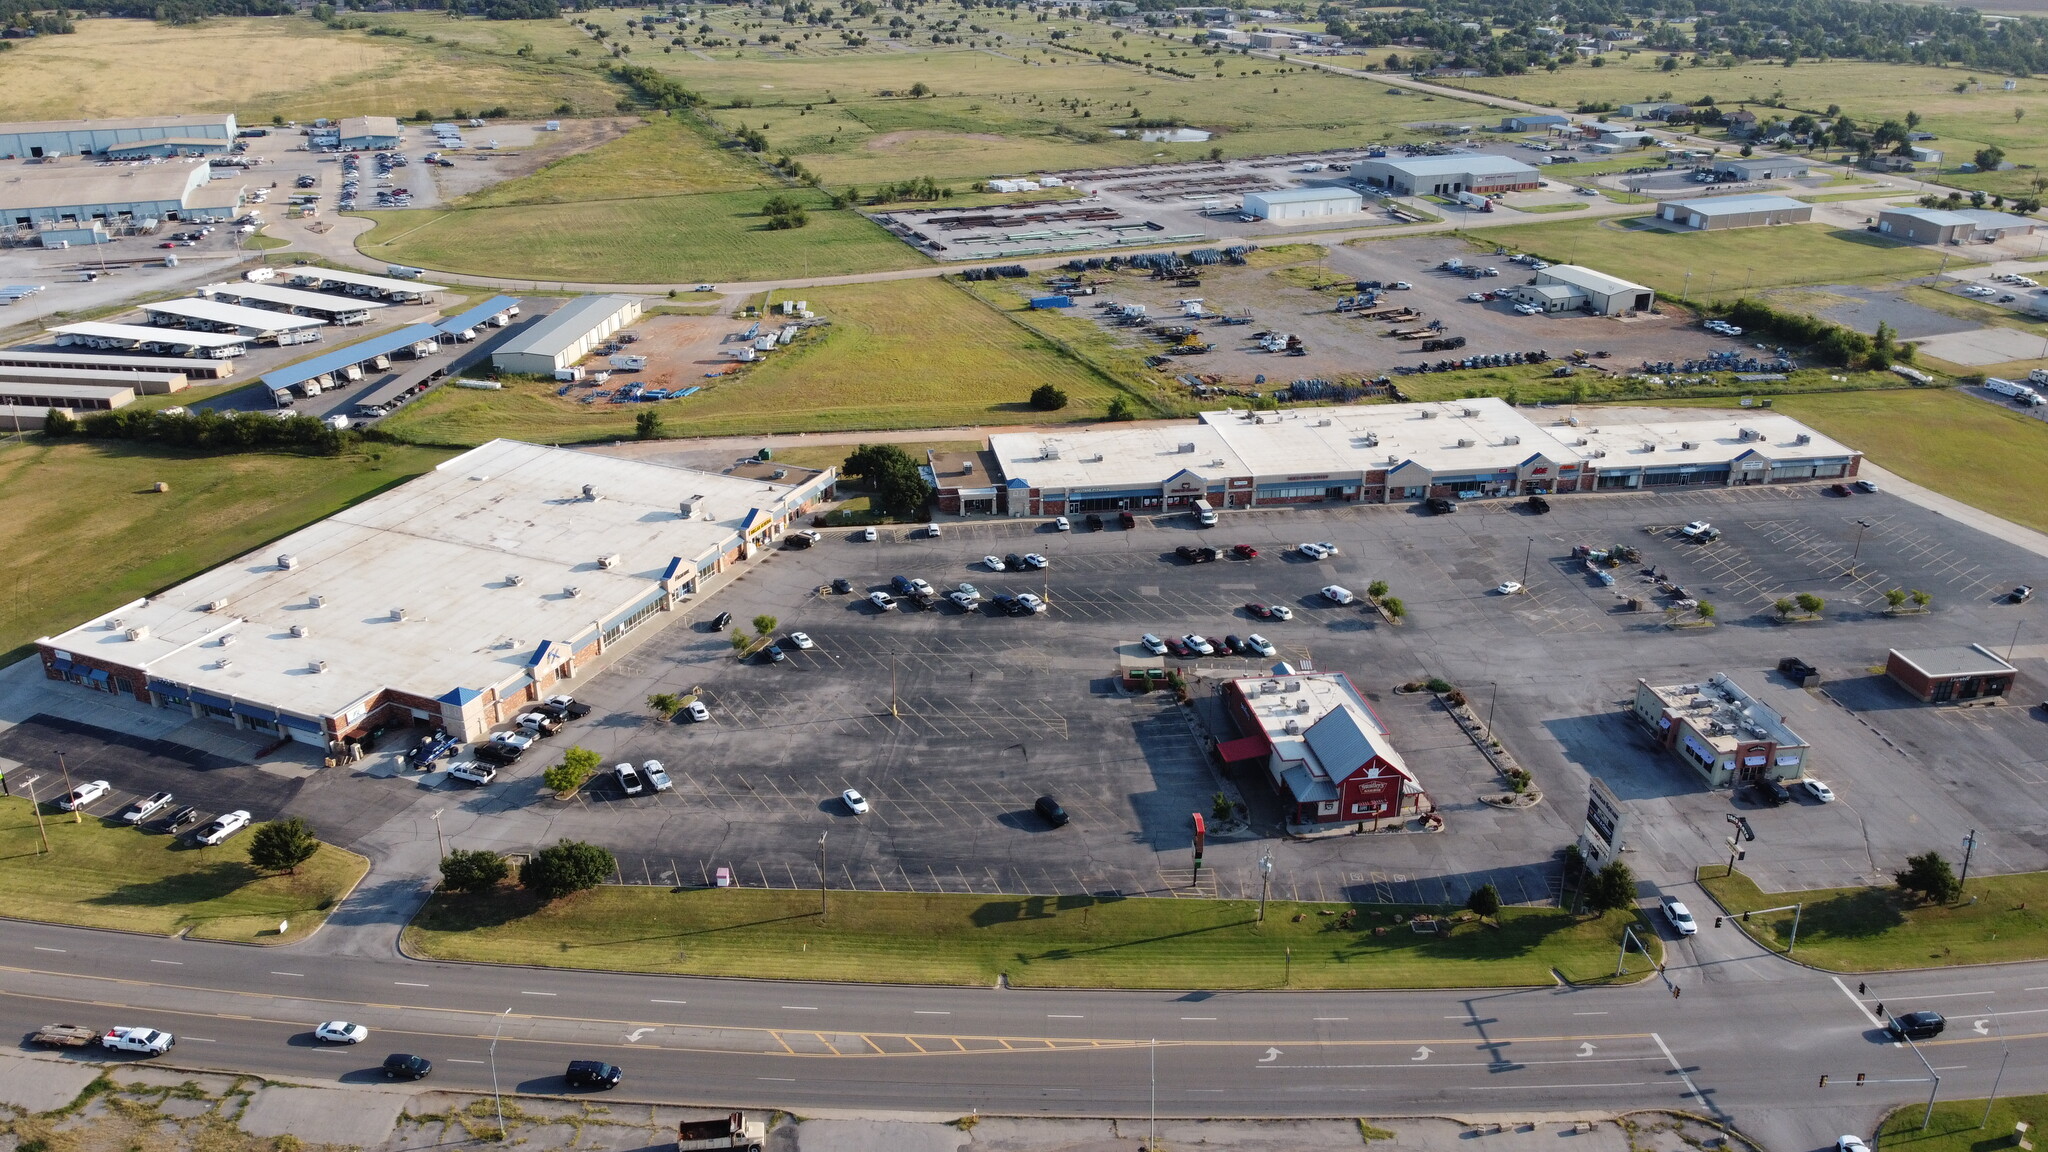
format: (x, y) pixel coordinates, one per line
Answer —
(1705, 610)
(1220, 807)
(1376, 589)
(1485, 900)
(665, 704)
(1810, 604)
(577, 766)
(569, 866)
(647, 425)
(1120, 409)
(282, 845)
(741, 641)
(1922, 599)
(1896, 597)
(1989, 157)
(763, 625)
(1394, 607)
(1613, 887)
(1048, 398)
(473, 870)
(1784, 605)
(1931, 876)
(890, 472)
(57, 424)
(2017, 113)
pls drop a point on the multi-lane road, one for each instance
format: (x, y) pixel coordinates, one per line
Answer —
(1746, 1041)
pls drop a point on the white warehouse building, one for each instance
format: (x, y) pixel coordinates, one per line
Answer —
(566, 335)
(1302, 203)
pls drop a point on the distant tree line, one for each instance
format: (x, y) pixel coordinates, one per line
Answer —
(656, 88)
(206, 430)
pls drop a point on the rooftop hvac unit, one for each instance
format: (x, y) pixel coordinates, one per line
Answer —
(1293, 728)
(1468, 412)
(223, 662)
(514, 579)
(608, 561)
(1745, 435)
(299, 631)
(1269, 687)
(216, 605)
(1581, 442)
(968, 466)
(1325, 422)
(1216, 463)
(226, 638)
(1466, 443)
(590, 491)
(1688, 445)
(1802, 438)
(572, 591)
(780, 473)
(1649, 446)
(684, 508)
(1372, 439)
(1185, 449)
(1302, 705)
(509, 642)
(1095, 459)
(316, 602)
(316, 666)
(398, 613)
(1510, 440)
(287, 561)
(1052, 452)
(1598, 452)
(1426, 414)
(140, 632)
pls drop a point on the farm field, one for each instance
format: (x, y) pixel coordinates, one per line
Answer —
(91, 534)
(1722, 264)
(1869, 92)
(282, 66)
(718, 236)
(1935, 438)
(901, 354)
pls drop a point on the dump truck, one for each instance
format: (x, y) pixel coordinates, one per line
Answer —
(735, 1131)
(65, 1036)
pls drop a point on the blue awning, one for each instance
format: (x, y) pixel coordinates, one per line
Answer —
(63, 666)
(255, 711)
(300, 722)
(210, 700)
(98, 675)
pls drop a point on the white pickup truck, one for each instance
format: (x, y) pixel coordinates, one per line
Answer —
(148, 1041)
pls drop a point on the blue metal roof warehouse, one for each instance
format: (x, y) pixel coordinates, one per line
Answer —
(283, 380)
(477, 315)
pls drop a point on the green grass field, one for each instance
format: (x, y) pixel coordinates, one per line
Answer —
(898, 354)
(291, 67)
(103, 874)
(718, 236)
(1962, 1125)
(1869, 92)
(1037, 941)
(90, 534)
(664, 156)
(2000, 920)
(1936, 438)
(1722, 264)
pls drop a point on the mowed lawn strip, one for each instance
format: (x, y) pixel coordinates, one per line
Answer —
(1722, 264)
(90, 533)
(102, 874)
(1936, 438)
(1042, 941)
(682, 239)
(1960, 1125)
(2000, 920)
(898, 354)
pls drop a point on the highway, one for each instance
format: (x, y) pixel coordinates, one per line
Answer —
(1746, 1042)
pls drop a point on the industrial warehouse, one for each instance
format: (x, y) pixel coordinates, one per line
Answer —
(450, 601)
(1382, 454)
(130, 139)
(566, 335)
(1302, 204)
(71, 205)
(1715, 213)
(1447, 175)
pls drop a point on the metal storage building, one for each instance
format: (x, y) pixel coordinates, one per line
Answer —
(1761, 168)
(1302, 203)
(1925, 225)
(1717, 212)
(214, 316)
(357, 132)
(351, 362)
(140, 135)
(147, 383)
(494, 313)
(1533, 122)
(70, 196)
(1447, 175)
(26, 407)
(1605, 295)
(294, 301)
(1990, 225)
(167, 341)
(566, 335)
(411, 610)
(192, 369)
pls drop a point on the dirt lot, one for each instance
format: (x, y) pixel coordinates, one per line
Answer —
(525, 150)
(680, 350)
(1343, 346)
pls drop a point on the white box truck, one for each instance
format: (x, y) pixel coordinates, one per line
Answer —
(627, 363)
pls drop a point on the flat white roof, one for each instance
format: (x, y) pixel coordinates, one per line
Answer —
(1112, 457)
(223, 120)
(1716, 439)
(294, 297)
(1592, 280)
(1721, 701)
(380, 283)
(556, 331)
(1304, 195)
(1738, 205)
(1276, 703)
(142, 332)
(440, 547)
(1934, 216)
(1474, 163)
(24, 185)
(215, 312)
(1310, 442)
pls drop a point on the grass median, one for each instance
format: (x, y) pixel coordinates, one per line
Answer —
(1962, 1125)
(1042, 941)
(1999, 920)
(102, 874)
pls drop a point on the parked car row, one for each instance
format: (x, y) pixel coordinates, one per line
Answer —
(1194, 645)
(213, 832)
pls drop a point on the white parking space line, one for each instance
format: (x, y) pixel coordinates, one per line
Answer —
(452, 1060)
(668, 1001)
(928, 1012)
(180, 963)
(536, 993)
(199, 1039)
(40, 948)
(798, 1008)
(410, 984)
(274, 973)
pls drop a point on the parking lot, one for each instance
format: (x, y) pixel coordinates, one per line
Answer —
(952, 723)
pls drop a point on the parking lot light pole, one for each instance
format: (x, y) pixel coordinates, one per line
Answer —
(1265, 879)
(822, 910)
(1855, 556)
(77, 817)
(442, 840)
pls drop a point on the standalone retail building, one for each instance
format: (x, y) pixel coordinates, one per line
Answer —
(1950, 675)
(451, 601)
(1326, 753)
(1725, 734)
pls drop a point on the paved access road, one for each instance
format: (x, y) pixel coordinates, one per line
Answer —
(1746, 1043)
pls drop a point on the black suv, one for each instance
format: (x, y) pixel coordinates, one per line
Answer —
(1441, 506)
(1538, 505)
(400, 1066)
(593, 1074)
(1917, 1025)
(721, 622)
(1049, 809)
(497, 752)
(1772, 792)
(1094, 522)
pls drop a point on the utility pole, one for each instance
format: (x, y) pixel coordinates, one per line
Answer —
(40, 830)
(1969, 846)
(494, 1071)
(437, 834)
(822, 910)
(1527, 554)
(77, 817)
(893, 713)
(1265, 879)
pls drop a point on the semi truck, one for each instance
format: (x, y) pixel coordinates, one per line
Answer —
(735, 1131)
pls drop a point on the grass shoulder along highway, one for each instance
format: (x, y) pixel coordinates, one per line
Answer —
(90, 531)
(1962, 1125)
(1041, 941)
(103, 874)
(2000, 919)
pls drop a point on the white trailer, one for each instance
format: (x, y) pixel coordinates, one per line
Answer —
(2018, 393)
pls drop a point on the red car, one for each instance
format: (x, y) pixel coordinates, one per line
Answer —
(1244, 552)
(168, 244)
(1259, 610)
(1179, 648)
